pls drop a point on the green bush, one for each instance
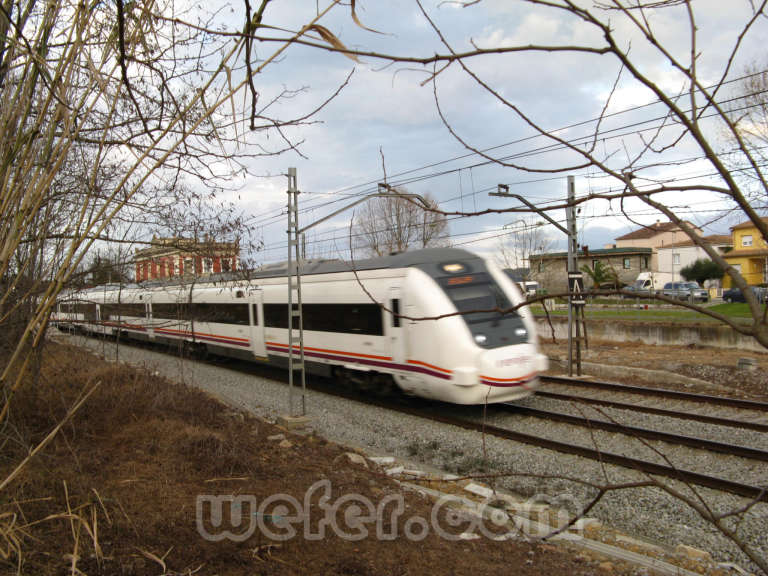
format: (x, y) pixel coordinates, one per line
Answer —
(701, 271)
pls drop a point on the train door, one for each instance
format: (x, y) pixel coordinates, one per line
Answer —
(396, 327)
(255, 303)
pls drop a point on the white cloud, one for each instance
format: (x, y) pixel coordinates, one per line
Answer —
(388, 109)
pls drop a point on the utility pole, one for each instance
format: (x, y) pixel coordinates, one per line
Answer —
(575, 279)
(576, 301)
(294, 249)
(296, 245)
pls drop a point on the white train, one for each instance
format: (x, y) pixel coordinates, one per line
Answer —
(415, 338)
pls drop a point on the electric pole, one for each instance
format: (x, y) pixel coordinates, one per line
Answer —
(576, 301)
(575, 280)
(295, 312)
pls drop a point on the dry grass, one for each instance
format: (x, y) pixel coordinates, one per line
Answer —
(72, 467)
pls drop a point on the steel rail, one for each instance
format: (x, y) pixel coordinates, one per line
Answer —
(608, 426)
(662, 392)
(757, 493)
(708, 419)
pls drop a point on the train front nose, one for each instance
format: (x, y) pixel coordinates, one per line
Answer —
(512, 371)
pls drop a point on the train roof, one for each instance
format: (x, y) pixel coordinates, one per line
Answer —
(414, 258)
(427, 259)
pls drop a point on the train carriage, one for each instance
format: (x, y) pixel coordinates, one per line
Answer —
(430, 321)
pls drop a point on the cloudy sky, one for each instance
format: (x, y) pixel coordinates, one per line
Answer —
(387, 110)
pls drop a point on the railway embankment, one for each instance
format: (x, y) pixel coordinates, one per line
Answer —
(532, 474)
(149, 475)
(657, 332)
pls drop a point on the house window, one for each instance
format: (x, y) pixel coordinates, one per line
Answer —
(207, 265)
(676, 259)
(226, 265)
(737, 267)
(594, 264)
(746, 240)
(644, 262)
(627, 263)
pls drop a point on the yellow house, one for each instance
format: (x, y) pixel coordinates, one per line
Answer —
(749, 255)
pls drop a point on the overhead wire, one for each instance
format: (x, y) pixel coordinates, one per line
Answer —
(534, 136)
(604, 190)
(616, 132)
(683, 210)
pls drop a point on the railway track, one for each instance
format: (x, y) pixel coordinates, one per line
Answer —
(752, 415)
(439, 414)
(659, 392)
(758, 493)
(425, 410)
(648, 434)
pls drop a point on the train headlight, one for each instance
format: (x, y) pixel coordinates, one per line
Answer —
(521, 332)
(453, 268)
(481, 338)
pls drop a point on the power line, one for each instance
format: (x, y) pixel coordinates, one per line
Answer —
(607, 190)
(563, 128)
(682, 210)
(617, 132)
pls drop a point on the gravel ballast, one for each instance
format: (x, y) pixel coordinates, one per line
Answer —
(649, 513)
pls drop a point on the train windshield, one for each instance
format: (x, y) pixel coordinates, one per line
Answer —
(479, 302)
(484, 307)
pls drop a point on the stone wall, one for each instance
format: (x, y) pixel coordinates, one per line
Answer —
(658, 333)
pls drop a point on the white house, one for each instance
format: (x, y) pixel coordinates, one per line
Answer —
(654, 236)
(671, 258)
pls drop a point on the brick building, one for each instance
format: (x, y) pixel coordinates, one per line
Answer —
(170, 258)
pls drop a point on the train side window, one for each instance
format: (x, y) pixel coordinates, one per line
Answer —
(323, 318)
(363, 319)
(342, 318)
(238, 314)
(87, 309)
(165, 311)
(221, 313)
(276, 315)
(396, 313)
(120, 309)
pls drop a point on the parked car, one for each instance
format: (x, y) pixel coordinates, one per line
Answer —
(736, 295)
(690, 291)
(640, 289)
